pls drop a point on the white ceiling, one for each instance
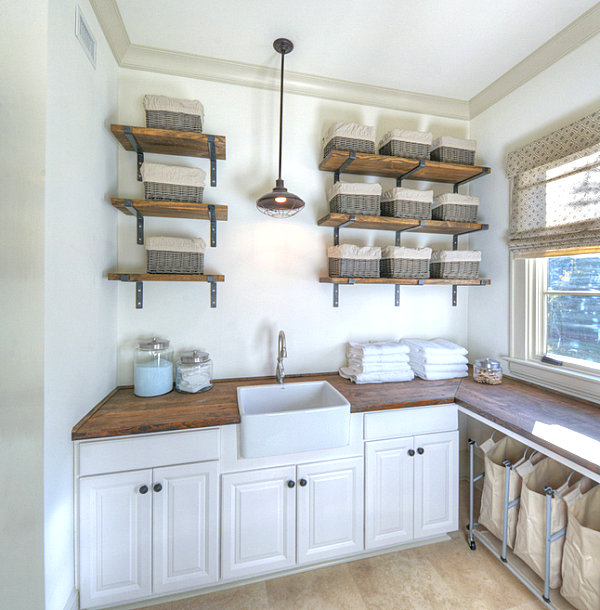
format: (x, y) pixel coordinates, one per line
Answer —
(449, 49)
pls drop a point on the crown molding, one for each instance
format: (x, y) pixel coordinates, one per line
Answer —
(149, 59)
(568, 39)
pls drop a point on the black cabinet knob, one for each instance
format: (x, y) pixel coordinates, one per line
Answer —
(420, 451)
(291, 484)
(157, 487)
(411, 452)
(302, 482)
(144, 489)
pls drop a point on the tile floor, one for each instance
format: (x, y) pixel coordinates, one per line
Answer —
(446, 575)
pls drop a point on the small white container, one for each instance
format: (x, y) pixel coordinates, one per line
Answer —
(193, 372)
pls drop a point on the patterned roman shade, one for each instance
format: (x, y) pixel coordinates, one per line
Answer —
(555, 191)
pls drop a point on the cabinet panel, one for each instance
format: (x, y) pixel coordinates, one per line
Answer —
(185, 526)
(258, 522)
(436, 484)
(389, 492)
(330, 509)
(410, 421)
(115, 545)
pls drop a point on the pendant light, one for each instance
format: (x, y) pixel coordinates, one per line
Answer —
(280, 203)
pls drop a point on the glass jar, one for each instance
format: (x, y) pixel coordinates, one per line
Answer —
(153, 368)
(193, 372)
(487, 371)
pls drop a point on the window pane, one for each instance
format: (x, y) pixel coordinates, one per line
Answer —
(573, 328)
(574, 273)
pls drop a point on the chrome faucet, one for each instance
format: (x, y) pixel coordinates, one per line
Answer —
(281, 354)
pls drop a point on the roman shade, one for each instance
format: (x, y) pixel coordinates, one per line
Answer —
(555, 192)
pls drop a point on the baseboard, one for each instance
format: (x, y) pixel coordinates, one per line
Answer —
(73, 601)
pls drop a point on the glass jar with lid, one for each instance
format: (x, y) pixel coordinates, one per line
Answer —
(193, 372)
(153, 367)
(487, 371)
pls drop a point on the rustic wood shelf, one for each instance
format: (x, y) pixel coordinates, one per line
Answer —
(169, 141)
(387, 223)
(404, 281)
(386, 166)
(140, 278)
(169, 209)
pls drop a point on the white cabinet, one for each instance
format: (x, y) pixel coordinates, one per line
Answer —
(275, 518)
(147, 532)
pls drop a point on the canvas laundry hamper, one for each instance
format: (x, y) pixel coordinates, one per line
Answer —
(491, 514)
(530, 540)
(581, 554)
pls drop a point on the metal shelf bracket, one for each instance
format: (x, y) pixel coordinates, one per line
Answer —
(412, 171)
(213, 226)
(213, 290)
(336, 230)
(139, 221)
(138, 149)
(343, 166)
(484, 171)
(213, 160)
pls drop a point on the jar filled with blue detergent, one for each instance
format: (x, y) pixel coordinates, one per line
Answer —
(153, 368)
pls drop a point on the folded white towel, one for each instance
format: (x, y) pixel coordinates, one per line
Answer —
(377, 367)
(439, 347)
(348, 373)
(437, 376)
(378, 348)
(438, 368)
(421, 358)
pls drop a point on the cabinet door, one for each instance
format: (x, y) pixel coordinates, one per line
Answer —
(115, 537)
(258, 532)
(330, 509)
(436, 484)
(185, 526)
(389, 492)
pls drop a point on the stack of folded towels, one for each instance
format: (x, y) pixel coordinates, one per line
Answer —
(377, 362)
(437, 359)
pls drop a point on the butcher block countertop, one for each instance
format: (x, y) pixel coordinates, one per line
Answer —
(565, 425)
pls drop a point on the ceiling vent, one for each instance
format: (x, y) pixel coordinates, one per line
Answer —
(85, 36)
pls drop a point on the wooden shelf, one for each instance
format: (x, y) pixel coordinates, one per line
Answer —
(404, 281)
(165, 277)
(169, 209)
(169, 141)
(396, 167)
(386, 223)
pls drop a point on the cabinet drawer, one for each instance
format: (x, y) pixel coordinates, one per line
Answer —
(410, 421)
(148, 451)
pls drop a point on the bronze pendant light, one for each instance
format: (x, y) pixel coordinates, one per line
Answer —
(279, 202)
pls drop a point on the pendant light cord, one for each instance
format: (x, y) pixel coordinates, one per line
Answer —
(281, 114)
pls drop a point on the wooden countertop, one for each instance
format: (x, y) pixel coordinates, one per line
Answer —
(565, 425)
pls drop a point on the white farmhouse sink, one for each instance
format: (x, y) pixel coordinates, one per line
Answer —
(291, 417)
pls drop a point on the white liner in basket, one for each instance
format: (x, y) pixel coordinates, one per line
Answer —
(176, 244)
(172, 174)
(452, 256)
(406, 135)
(352, 251)
(353, 188)
(402, 252)
(172, 104)
(450, 142)
(350, 130)
(454, 198)
(401, 192)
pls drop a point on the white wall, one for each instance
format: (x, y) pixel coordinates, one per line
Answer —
(23, 38)
(563, 93)
(80, 244)
(271, 266)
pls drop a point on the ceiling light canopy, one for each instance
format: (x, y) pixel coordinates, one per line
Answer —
(280, 203)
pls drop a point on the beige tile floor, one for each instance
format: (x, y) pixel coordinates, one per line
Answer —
(446, 575)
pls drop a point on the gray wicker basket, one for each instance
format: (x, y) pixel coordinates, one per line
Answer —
(161, 191)
(354, 267)
(341, 143)
(405, 267)
(179, 121)
(448, 154)
(455, 212)
(167, 261)
(406, 208)
(409, 150)
(465, 270)
(346, 203)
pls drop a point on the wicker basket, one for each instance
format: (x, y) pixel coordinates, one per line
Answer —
(355, 204)
(407, 203)
(342, 143)
(455, 207)
(453, 150)
(166, 261)
(408, 150)
(159, 191)
(464, 270)
(354, 267)
(179, 121)
(405, 267)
